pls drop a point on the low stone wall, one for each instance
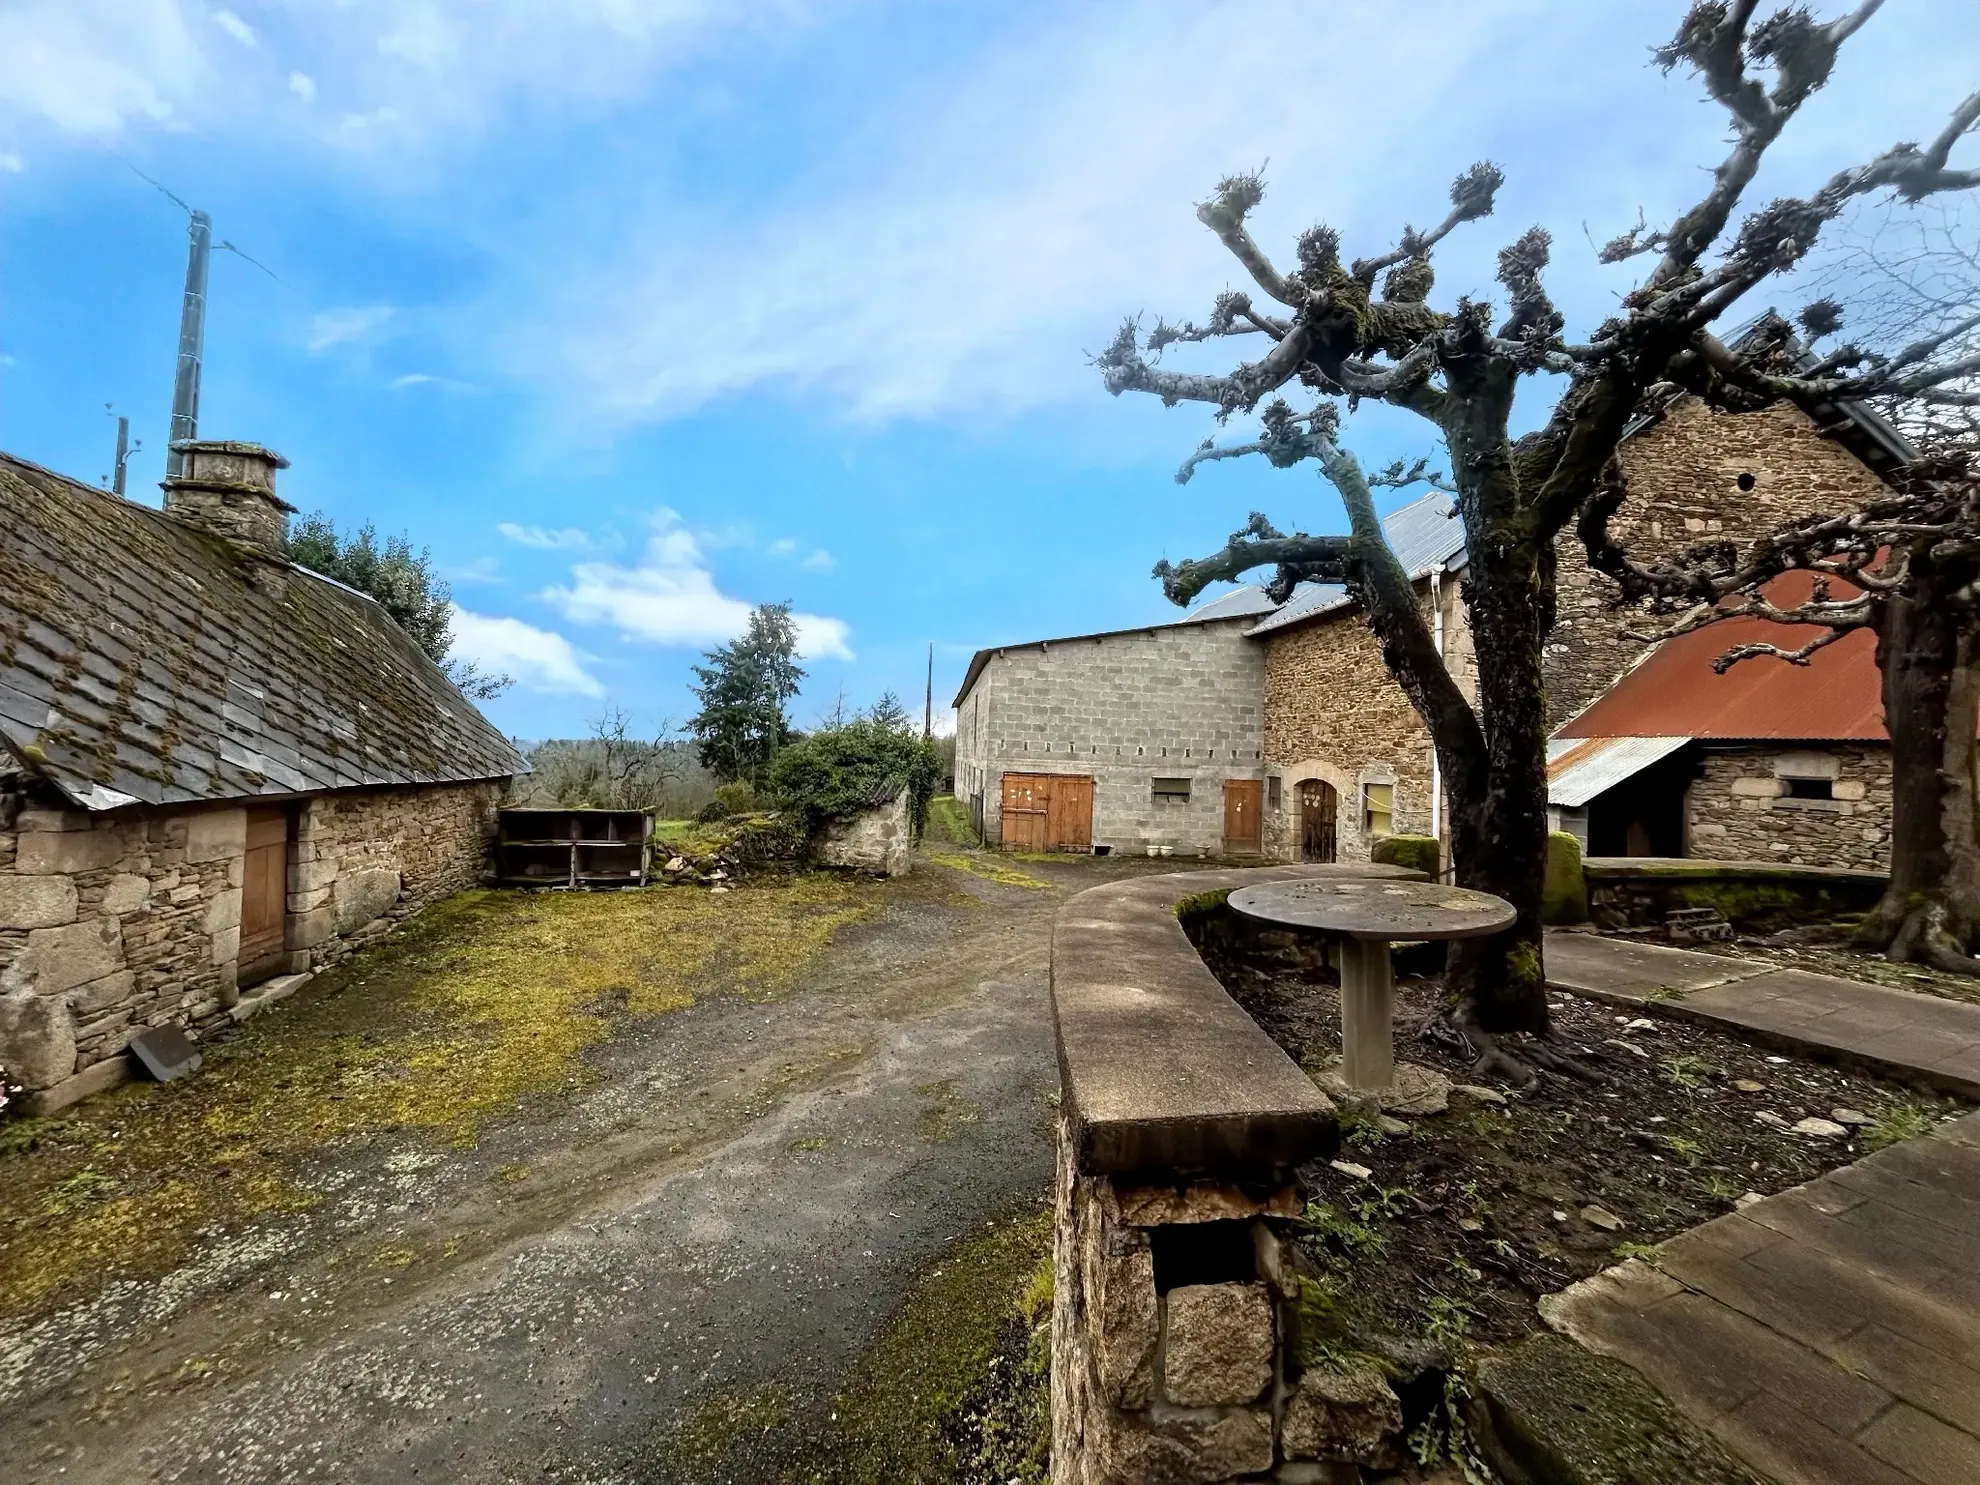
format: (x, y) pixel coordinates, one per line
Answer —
(114, 923)
(878, 842)
(1754, 896)
(1177, 1346)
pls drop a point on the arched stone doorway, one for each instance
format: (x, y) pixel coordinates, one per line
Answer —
(1319, 820)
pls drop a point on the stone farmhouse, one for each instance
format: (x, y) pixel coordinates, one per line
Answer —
(1249, 729)
(218, 770)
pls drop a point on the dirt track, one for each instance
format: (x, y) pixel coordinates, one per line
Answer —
(730, 1208)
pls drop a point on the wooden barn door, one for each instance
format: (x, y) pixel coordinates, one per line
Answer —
(265, 892)
(1048, 812)
(1319, 815)
(1244, 816)
(1069, 821)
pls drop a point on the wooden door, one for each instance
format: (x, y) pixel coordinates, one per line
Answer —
(1027, 803)
(1069, 818)
(1048, 812)
(1319, 816)
(1244, 816)
(265, 891)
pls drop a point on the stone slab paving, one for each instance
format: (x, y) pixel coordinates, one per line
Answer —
(1829, 1335)
(1901, 1033)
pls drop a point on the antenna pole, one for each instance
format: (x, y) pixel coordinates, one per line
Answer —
(192, 342)
(123, 455)
(928, 702)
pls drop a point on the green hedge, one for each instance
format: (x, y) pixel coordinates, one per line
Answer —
(1416, 852)
(840, 773)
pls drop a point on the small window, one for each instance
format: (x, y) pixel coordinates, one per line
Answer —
(1274, 795)
(1171, 789)
(1378, 809)
(1809, 788)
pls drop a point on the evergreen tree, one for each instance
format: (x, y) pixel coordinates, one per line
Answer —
(888, 712)
(744, 691)
(405, 585)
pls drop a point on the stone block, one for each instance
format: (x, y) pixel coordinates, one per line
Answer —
(1185, 1449)
(311, 876)
(125, 893)
(308, 902)
(1123, 1316)
(1339, 1414)
(361, 896)
(307, 930)
(1219, 1344)
(98, 996)
(216, 835)
(37, 902)
(66, 852)
(227, 946)
(1850, 789)
(61, 958)
(37, 1039)
(1162, 1206)
(223, 911)
(95, 1078)
(40, 819)
(1752, 788)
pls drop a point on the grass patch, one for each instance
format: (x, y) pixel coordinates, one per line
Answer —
(1897, 1123)
(948, 1112)
(990, 868)
(956, 1389)
(481, 1002)
(948, 820)
(674, 831)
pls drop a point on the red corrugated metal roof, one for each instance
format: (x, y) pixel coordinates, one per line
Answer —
(1835, 697)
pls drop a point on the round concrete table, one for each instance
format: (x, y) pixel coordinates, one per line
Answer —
(1367, 916)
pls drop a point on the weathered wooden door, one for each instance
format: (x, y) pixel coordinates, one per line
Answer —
(1027, 802)
(264, 891)
(1069, 817)
(1319, 814)
(1244, 816)
(1048, 812)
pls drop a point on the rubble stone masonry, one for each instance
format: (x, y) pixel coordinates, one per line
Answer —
(1685, 487)
(113, 923)
(1739, 809)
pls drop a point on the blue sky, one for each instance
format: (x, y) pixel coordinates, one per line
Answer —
(638, 312)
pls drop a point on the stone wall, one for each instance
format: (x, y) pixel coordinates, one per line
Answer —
(1333, 712)
(114, 923)
(1175, 1355)
(1685, 486)
(1739, 809)
(1176, 701)
(878, 842)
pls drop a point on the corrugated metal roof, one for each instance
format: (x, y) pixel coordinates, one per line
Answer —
(1238, 604)
(1425, 535)
(1579, 769)
(1836, 697)
(142, 660)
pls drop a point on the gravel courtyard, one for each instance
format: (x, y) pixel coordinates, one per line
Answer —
(627, 1187)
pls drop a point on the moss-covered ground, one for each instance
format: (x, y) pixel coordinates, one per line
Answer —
(956, 1389)
(469, 1011)
(987, 865)
(947, 821)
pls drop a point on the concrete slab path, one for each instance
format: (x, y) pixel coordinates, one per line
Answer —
(1829, 1335)
(1920, 1038)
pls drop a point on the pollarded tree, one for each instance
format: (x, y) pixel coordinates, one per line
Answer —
(1333, 334)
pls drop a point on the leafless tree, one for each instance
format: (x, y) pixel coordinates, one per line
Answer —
(1329, 332)
(1905, 567)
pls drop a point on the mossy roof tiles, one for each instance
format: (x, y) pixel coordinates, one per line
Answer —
(143, 660)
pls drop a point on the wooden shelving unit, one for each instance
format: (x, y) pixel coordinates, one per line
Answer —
(573, 848)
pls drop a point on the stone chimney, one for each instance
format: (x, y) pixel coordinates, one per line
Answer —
(228, 489)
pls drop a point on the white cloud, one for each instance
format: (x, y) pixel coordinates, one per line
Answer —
(566, 539)
(410, 379)
(539, 659)
(670, 598)
(783, 546)
(10, 163)
(303, 86)
(341, 326)
(235, 27)
(89, 68)
(819, 561)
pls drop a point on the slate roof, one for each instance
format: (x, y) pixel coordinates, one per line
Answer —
(1425, 535)
(142, 660)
